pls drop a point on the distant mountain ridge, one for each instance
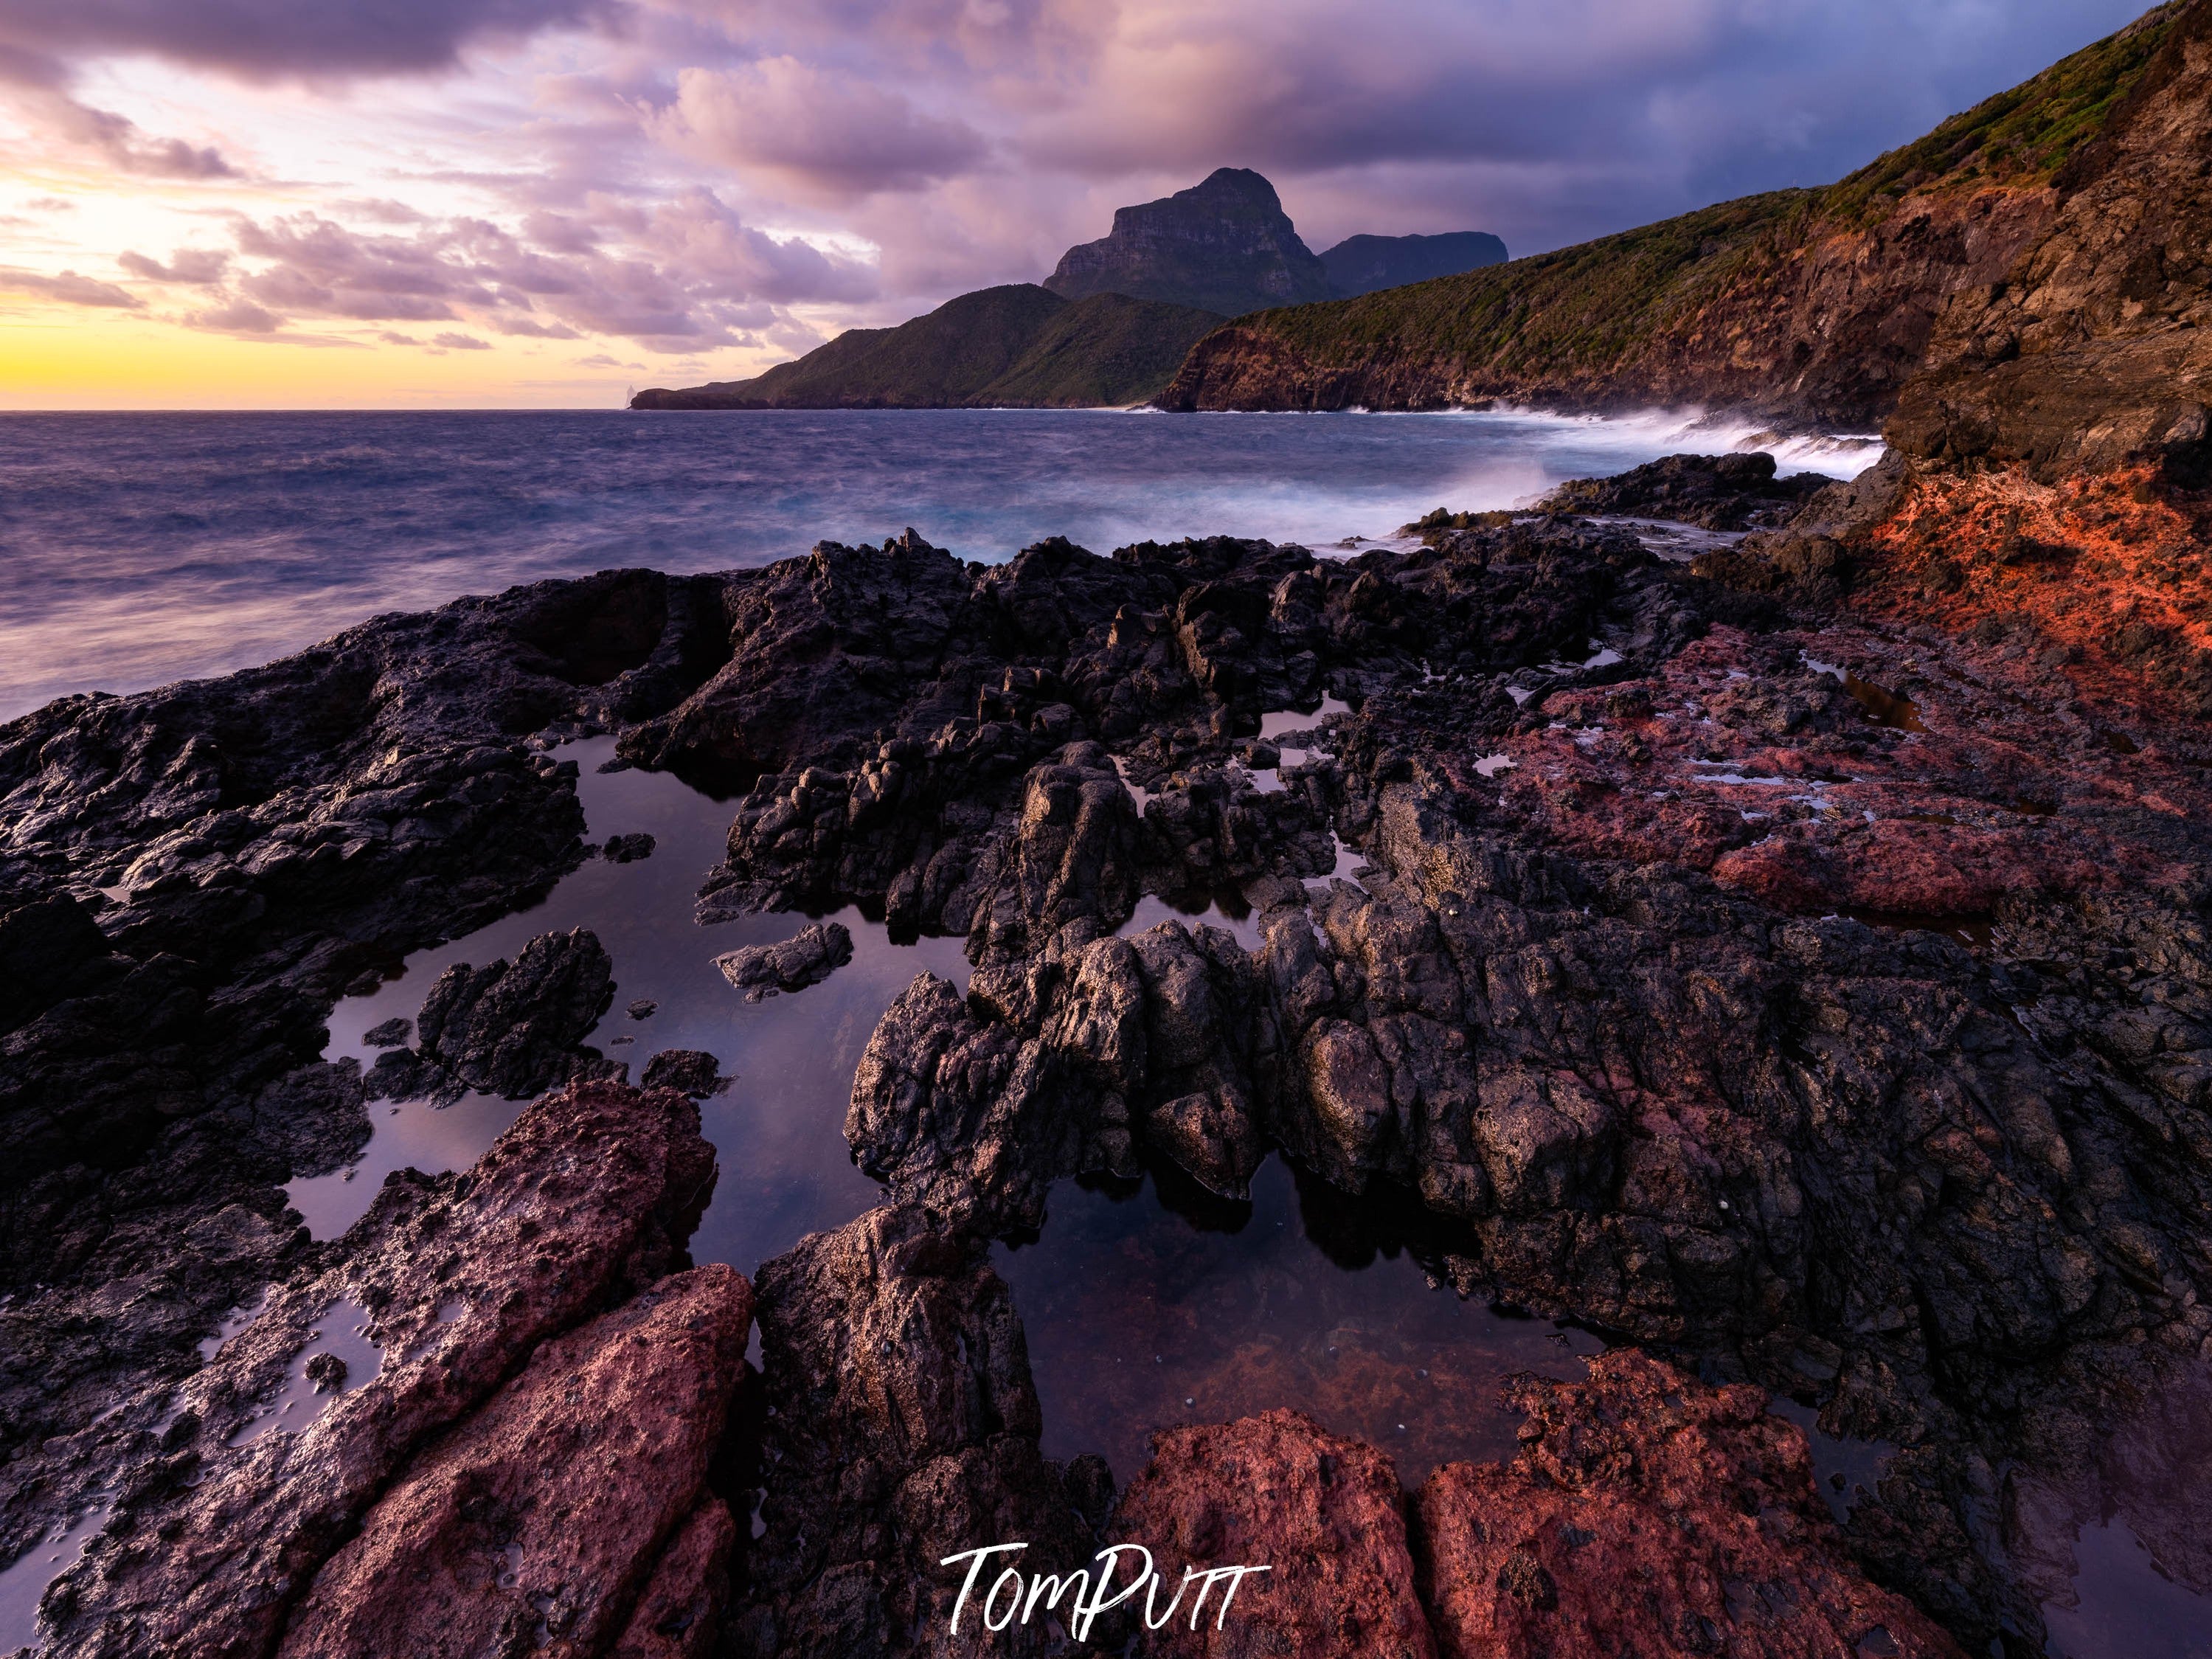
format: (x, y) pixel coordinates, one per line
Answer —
(1017, 346)
(1113, 322)
(1367, 264)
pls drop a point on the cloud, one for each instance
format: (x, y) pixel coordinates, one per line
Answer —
(821, 135)
(459, 343)
(237, 317)
(272, 37)
(199, 265)
(691, 275)
(69, 289)
(35, 89)
(390, 338)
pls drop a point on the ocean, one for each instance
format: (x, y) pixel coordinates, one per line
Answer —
(141, 548)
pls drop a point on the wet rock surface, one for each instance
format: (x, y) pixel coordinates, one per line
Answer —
(220, 1526)
(539, 1516)
(515, 1028)
(807, 957)
(1715, 492)
(1762, 972)
(900, 1427)
(189, 879)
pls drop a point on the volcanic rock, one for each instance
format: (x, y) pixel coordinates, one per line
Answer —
(900, 1427)
(688, 1071)
(1719, 492)
(807, 957)
(628, 849)
(514, 1029)
(1325, 1515)
(243, 851)
(219, 1529)
(1648, 1513)
(544, 1512)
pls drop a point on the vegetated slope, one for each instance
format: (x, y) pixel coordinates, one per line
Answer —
(1813, 304)
(1019, 344)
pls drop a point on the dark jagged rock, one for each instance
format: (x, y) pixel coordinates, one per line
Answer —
(807, 957)
(1225, 245)
(900, 1427)
(512, 1030)
(628, 849)
(1800, 970)
(190, 877)
(688, 1071)
(1719, 492)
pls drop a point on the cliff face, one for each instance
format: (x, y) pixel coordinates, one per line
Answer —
(2090, 353)
(1016, 345)
(1810, 305)
(1363, 264)
(1224, 244)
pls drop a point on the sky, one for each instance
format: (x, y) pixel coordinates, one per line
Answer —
(513, 204)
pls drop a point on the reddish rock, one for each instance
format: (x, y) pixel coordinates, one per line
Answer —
(587, 1200)
(2107, 569)
(1326, 1514)
(675, 1617)
(542, 1514)
(1649, 1517)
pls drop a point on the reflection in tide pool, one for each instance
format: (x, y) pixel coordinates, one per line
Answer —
(779, 1128)
(1148, 1304)
(2125, 1605)
(23, 1581)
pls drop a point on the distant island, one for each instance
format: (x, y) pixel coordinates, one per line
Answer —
(1111, 325)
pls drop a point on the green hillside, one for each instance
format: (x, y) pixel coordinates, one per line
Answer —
(1020, 344)
(1674, 309)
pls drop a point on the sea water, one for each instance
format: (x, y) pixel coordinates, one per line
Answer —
(141, 548)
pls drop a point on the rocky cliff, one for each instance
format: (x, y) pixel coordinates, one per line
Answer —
(1224, 244)
(1811, 305)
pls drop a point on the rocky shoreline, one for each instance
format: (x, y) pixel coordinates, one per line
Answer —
(1792, 966)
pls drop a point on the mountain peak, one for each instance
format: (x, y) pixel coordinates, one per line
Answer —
(1239, 184)
(1223, 245)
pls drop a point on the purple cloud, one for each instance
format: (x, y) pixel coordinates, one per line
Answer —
(266, 38)
(68, 287)
(819, 134)
(198, 265)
